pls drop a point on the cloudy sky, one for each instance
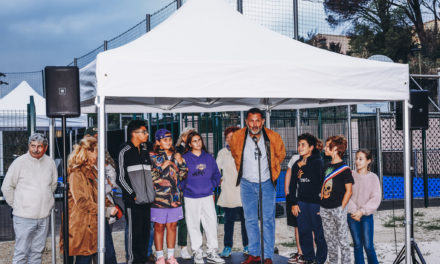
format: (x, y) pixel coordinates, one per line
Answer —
(34, 34)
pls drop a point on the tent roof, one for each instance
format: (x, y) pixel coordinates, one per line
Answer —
(208, 57)
(13, 109)
(18, 99)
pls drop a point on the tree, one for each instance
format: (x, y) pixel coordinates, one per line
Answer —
(388, 18)
(378, 27)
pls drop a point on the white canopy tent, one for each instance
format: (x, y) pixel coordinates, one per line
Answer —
(208, 57)
(17, 100)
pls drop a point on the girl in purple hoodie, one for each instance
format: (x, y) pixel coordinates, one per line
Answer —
(203, 176)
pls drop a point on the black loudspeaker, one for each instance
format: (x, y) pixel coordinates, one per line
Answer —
(62, 91)
(419, 111)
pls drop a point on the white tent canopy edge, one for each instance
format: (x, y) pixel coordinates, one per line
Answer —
(220, 54)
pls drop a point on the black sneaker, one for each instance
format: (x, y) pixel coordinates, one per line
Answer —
(301, 259)
(293, 258)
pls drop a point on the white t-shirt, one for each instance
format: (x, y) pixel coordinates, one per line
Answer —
(293, 160)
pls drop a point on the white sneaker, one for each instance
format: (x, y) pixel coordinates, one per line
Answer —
(198, 257)
(184, 253)
(213, 257)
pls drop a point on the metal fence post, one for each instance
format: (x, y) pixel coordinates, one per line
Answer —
(379, 147)
(2, 172)
(425, 169)
(31, 116)
(148, 23)
(240, 6)
(350, 140)
(295, 19)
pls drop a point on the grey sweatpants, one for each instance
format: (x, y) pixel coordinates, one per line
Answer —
(334, 222)
(30, 239)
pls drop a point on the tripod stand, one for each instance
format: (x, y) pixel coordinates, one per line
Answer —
(414, 248)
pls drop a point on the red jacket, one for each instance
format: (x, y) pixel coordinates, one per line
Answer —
(276, 151)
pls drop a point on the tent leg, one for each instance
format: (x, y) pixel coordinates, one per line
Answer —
(407, 180)
(101, 176)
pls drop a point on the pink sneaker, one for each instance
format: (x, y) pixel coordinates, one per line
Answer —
(172, 260)
(160, 260)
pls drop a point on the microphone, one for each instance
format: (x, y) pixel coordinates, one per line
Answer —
(257, 149)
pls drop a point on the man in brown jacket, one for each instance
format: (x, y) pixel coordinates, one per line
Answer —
(244, 150)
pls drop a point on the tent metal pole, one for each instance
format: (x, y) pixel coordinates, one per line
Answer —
(407, 180)
(267, 119)
(241, 119)
(379, 147)
(350, 139)
(101, 176)
(52, 212)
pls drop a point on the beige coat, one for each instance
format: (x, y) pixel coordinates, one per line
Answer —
(230, 196)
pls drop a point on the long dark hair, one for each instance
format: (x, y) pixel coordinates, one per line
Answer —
(189, 139)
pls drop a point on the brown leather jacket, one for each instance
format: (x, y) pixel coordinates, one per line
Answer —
(83, 211)
(276, 151)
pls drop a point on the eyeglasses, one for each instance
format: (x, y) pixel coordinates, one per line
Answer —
(142, 131)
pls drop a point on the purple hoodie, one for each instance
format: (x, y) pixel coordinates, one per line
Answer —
(203, 175)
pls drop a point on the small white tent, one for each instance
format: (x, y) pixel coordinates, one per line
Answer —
(17, 100)
(208, 57)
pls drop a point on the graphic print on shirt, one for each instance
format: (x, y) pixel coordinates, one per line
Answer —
(200, 170)
(165, 180)
(328, 187)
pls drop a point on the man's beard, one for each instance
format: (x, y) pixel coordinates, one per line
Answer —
(254, 133)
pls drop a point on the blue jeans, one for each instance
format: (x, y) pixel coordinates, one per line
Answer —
(362, 233)
(232, 214)
(249, 198)
(84, 259)
(309, 223)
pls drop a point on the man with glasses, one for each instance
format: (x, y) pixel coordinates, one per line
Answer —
(137, 190)
(28, 188)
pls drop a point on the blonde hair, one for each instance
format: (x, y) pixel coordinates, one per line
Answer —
(109, 160)
(185, 132)
(79, 156)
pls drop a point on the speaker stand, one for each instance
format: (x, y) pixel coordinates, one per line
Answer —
(66, 259)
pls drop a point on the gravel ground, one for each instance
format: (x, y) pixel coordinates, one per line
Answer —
(427, 235)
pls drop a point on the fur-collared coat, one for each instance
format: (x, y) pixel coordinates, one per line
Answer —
(83, 211)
